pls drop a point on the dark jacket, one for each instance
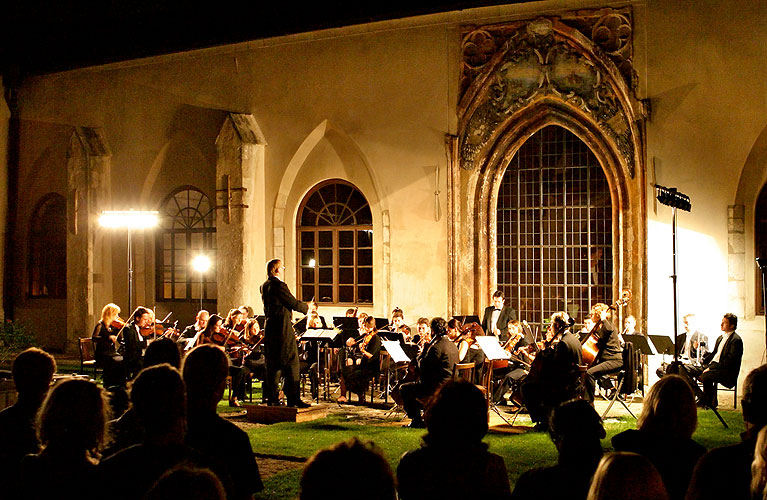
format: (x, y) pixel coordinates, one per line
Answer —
(279, 303)
(507, 314)
(437, 363)
(729, 361)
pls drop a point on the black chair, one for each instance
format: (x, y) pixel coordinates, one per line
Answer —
(627, 379)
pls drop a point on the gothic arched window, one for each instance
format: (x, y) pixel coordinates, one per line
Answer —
(335, 245)
(187, 229)
(554, 228)
(48, 248)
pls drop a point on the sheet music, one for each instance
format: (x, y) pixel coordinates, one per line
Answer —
(395, 351)
(320, 334)
(491, 347)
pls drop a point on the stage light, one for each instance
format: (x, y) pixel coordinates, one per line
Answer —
(201, 263)
(131, 219)
(673, 198)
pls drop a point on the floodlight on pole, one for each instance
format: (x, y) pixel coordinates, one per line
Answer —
(130, 220)
(201, 263)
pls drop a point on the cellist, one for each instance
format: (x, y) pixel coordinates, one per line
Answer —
(609, 355)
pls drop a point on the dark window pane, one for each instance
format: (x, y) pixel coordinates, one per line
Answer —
(307, 275)
(365, 294)
(346, 294)
(307, 293)
(365, 238)
(346, 239)
(326, 257)
(365, 257)
(326, 294)
(365, 275)
(326, 275)
(346, 257)
(307, 258)
(307, 239)
(346, 275)
(326, 239)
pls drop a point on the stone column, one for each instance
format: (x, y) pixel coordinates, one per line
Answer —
(736, 259)
(240, 213)
(88, 182)
(5, 118)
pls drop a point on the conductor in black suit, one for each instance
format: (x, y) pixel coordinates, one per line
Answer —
(280, 349)
(722, 365)
(497, 317)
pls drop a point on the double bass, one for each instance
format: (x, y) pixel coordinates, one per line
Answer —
(589, 343)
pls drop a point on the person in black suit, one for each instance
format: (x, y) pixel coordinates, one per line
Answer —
(721, 365)
(497, 316)
(435, 365)
(279, 339)
(609, 358)
(133, 342)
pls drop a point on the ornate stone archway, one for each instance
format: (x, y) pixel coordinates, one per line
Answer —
(573, 71)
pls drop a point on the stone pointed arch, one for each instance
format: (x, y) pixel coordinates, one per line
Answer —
(517, 79)
(356, 170)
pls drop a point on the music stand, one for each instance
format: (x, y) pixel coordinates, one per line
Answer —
(323, 338)
(640, 344)
(493, 352)
(469, 318)
(349, 327)
(663, 344)
(381, 322)
(397, 355)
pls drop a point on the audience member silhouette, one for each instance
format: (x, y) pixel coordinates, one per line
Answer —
(72, 428)
(576, 430)
(664, 433)
(205, 371)
(158, 396)
(759, 467)
(366, 473)
(626, 476)
(453, 462)
(32, 372)
(726, 472)
(187, 483)
(125, 430)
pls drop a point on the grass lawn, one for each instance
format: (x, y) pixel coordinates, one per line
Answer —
(520, 451)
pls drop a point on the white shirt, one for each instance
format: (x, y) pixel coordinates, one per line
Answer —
(494, 320)
(725, 337)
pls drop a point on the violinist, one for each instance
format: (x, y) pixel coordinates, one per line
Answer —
(365, 364)
(515, 370)
(397, 325)
(105, 340)
(554, 375)
(215, 333)
(254, 361)
(237, 319)
(468, 348)
(133, 340)
(423, 336)
(609, 357)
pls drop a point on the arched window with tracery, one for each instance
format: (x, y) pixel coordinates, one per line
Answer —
(760, 242)
(48, 248)
(187, 229)
(335, 245)
(554, 228)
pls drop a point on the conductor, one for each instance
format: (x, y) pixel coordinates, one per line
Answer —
(279, 340)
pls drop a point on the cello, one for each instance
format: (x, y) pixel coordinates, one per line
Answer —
(589, 343)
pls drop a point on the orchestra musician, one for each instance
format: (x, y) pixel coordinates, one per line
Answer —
(497, 316)
(254, 361)
(397, 324)
(133, 341)
(554, 376)
(364, 364)
(279, 339)
(695, 345)
(468, 348)
(515, 371)
(424, 332)
(199, 324)
(105, 340)
(216, 333)
(435, 365)
(609, 358)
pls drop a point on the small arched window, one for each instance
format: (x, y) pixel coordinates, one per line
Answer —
(187, 229)
(48, 248)
(335, 245)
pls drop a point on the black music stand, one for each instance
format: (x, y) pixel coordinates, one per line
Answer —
(381, 322)
(640, 344)
(261, 321)
(663, 344)
(324, 338)
(349, 327)
(469, 318)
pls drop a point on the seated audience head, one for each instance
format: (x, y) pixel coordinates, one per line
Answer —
(754, 402)
(73, 418)
(729, 322)
(626, 476)
(575, 424)
(759, 467)
(364, 468)
(158, 396)
(457, 412)
(438, 327)
(205, 370)
(32, 372)
(669, 409)
(161, 351)
(187, 483)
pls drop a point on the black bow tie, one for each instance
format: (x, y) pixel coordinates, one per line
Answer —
(496, 309)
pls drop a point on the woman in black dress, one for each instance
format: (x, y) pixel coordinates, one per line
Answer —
(365, 364)
(104, 340)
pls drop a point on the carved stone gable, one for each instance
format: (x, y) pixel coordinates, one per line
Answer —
(582, 60)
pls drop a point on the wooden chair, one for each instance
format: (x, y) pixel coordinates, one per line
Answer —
(464, 371)
(87, 357)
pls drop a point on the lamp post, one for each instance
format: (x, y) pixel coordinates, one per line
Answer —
(130, 220)
(201, 264)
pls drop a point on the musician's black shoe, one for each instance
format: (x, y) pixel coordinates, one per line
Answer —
(299, 404)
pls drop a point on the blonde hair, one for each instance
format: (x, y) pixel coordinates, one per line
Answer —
(109, 313)
(669, 409)
(626, 476)
(600, 308)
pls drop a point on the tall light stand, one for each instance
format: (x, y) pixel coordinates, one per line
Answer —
(676, 200)
(201, 264)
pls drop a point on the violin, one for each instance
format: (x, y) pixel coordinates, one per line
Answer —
(117, 323)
